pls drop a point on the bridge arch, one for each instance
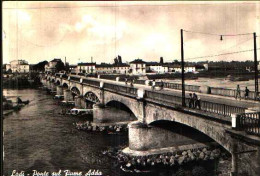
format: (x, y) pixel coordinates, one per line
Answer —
(58, 82)
(214, 130)
(92, 97)
(121, 106)
(65, 85)
(75, 91)
(123, 102)
(177, 133)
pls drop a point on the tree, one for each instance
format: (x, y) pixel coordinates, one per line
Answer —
(59, 66)
(116, 61)
(40, 66)
(176, 61)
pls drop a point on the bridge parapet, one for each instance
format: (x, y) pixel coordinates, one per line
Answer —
(205, 106)
(247, 122)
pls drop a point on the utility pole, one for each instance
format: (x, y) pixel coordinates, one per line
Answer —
(256, 69)
(182, 71)
(65, 65)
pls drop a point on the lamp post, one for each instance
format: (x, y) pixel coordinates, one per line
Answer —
(182, 71)
(256, 69)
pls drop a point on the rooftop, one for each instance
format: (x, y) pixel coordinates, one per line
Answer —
(56, 60)
(138, 61)
(86, 64)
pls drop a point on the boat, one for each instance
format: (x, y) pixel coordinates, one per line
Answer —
(80, 112)
(26, 102)
(59, 97)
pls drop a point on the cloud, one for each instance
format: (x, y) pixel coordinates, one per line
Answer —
(101, 33)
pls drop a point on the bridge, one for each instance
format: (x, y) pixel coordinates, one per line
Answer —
(233, 124)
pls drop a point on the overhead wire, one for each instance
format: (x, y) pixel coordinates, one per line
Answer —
(222, 54)
(205, 33)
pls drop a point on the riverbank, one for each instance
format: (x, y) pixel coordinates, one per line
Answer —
(109, 128)
(14, 81)
(195, 162)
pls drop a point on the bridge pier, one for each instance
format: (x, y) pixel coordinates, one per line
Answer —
(53, 87)
(48, 84)
(87, 104)
(78, 101)
(59, 90)
(67, 95)
(138, 135)
(44, 82)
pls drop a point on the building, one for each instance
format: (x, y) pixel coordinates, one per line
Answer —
(177, 68)
(18, 66)
(154, 67)
(86, 68)
(121, 69)
(104, 68)
(51, 66)
(138, 67)
(73, 68)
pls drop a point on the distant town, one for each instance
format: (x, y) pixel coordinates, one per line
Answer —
(135, 67)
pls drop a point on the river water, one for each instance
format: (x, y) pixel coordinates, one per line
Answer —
(39, 138)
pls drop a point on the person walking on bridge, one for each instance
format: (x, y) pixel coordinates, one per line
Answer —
(162, 85)
(196, 101)
(246, 93)
(153, 85)
(191, 102)
(238, 92)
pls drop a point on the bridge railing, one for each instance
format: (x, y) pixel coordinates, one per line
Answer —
(139, 81)
(223, 91)
(206, 106)
(230, 92)
(75, 78)
(165, 98)
(65, 76)
(250, 123)
(122, 89)
(221, 109)
(91, 82)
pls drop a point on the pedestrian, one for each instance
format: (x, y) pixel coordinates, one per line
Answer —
(191, 102)
(238, 92)
(131, 83)
(195, 100)
(153, 85)
(162, 84)
(125, 80)
(246, 93)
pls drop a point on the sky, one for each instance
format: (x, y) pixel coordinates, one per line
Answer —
(37, 31)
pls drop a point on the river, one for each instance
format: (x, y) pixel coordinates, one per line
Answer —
(38, 138)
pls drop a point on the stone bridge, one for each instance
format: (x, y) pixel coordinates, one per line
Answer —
(219, 121)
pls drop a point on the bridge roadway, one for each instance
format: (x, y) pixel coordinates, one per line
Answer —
(206, 97)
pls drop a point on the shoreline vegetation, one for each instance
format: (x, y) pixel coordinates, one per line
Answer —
(14, 81)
